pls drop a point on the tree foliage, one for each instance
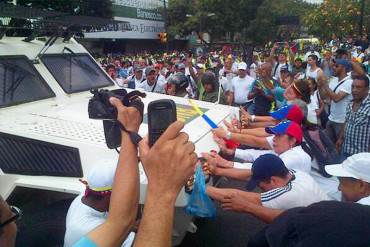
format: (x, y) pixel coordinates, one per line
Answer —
(213, 16)
(336, 16)
(254, 20)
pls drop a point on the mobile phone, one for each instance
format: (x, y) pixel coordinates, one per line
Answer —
(161, 113)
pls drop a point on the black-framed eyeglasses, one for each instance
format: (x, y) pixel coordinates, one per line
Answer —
(17, 216)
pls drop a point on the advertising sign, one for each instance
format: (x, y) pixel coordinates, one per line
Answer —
(144, 19)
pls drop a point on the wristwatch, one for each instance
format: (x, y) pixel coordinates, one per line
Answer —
(228, 135)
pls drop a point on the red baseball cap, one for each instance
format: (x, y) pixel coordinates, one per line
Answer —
(287, 127)
(290, 112)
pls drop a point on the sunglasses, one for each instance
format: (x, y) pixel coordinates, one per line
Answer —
(17, 216)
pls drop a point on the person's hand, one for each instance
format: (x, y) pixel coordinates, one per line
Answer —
(215, 160)
(286, 45)
(129, 117)
(170, 162)
(220, 132)
(338, 144)
(231, 127)
(222, 145)
(235, 202)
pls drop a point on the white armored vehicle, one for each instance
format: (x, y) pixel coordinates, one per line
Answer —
(47, 141)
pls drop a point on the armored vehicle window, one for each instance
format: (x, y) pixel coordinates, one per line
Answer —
(20, 82)
(76, 72)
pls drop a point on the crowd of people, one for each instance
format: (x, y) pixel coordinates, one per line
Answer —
(302, 115)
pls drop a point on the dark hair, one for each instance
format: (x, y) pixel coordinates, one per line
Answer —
(313, 81)
(363, 78)
(281, 174)
(109, 66)
(301, 87)
(314, 57)
(209, 78)
(298, 59)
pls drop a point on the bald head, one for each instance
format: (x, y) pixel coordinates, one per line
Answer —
(265, 70)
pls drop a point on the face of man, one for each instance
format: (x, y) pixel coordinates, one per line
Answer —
(138, 74)
(264, 70)
(242, 73)
(112, 72)
(282, 58)
(282, 143)
(290, 93)
(298, 63)
(359, 90)
(151, 77)
(338, 69)
(171, 89)
(208, 88)
(350, 188)
(7, 233)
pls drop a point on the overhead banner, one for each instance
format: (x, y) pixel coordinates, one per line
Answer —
(144, 19)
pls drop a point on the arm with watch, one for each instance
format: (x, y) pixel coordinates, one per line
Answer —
(246, 139)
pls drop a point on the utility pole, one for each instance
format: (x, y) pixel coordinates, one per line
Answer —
(361, 24)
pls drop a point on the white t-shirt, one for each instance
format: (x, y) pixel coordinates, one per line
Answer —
(276, 71)
(226, 81)
(139, 82)
(312, 107)
(301, 191)
(338, 110)
(81, 219)
(295, 158)
(364, 201)
(159, 86)
(241, 88)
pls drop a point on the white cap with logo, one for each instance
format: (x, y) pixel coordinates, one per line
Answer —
(356, 166)
(242, 66)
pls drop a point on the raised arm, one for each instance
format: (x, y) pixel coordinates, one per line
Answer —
(168, 165)
(125, 192)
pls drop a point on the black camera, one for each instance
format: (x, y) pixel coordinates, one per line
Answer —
(100, 108)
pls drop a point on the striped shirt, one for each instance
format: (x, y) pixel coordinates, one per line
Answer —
(300, 191)
(357, 129)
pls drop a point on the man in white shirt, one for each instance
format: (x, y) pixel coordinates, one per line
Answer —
(91, 209)
(241, 86)
(282, 189)
(152, 84)
(354, 178)
(339, 92)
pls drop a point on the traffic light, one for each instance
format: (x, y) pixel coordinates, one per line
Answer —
(162, 37)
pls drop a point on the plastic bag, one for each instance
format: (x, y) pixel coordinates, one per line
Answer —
(200, 204)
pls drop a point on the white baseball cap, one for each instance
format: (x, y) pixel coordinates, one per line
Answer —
(242, 66)
(100, 177)
(357, 166)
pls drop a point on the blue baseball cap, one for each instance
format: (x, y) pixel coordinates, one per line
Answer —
(347, 65)
(290, 112)
(287, 127)
(264, 167)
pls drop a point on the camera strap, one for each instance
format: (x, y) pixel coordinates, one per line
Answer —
(134, 137)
